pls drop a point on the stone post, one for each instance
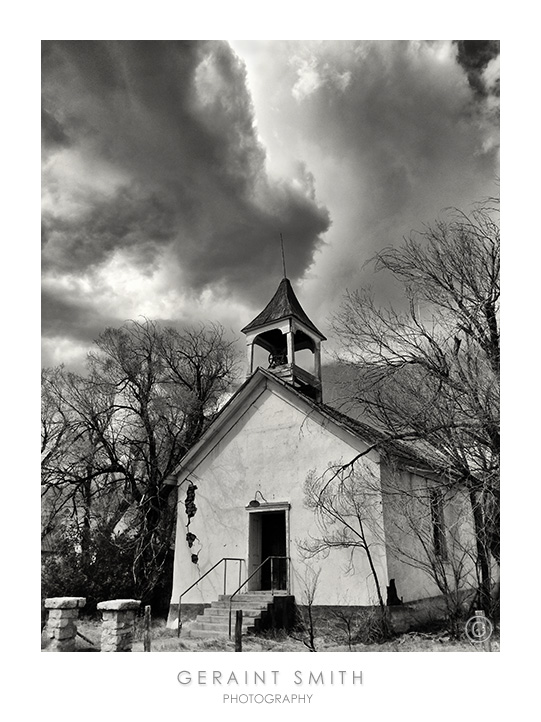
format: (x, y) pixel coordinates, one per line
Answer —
(118, 625)
(62, 622)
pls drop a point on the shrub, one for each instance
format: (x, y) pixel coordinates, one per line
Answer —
(373, 627)
(103, 573)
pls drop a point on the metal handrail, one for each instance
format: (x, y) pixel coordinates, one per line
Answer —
(248, 579)
(223, 559)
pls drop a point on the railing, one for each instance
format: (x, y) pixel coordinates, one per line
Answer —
(224, 560)
(253, 575)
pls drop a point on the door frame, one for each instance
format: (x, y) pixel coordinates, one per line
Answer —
(262, 508)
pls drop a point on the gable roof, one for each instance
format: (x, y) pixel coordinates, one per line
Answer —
(406, 451)
(282, 305)
(410, 450)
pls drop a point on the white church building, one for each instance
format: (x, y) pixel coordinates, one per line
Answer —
(244, 522)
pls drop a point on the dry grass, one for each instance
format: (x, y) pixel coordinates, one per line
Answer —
(166, 640)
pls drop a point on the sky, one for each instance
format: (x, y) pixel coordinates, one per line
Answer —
(170, 169)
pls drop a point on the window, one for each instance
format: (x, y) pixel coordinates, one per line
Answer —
(438, 524)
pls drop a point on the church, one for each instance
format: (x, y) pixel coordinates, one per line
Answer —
(248, 529)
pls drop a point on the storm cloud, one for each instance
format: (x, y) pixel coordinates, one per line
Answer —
(171, 168)
(151, 146)
(392, 131)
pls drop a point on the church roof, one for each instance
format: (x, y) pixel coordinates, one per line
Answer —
(409, 451)
(282, 305)
(412, 451)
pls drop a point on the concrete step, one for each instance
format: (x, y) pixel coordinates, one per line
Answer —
(266, 594)
(223, 624)
(224, 612)
(224, 619)
(214, 621)
(241, 604)
(219, 629)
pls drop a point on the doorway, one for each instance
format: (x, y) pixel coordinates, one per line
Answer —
(267, 538)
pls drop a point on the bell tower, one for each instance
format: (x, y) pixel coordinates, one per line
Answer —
(283, 330)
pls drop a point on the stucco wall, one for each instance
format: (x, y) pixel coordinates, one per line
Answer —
(408, 534)
(271, 447)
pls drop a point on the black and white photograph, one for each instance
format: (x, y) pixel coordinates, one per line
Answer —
(270, 361)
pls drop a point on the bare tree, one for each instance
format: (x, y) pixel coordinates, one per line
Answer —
(425, 522)
(347, 620)
(74, 467)
(148, 396)
(429, 527)
(347, 504)
(427, 369)
(305, 615)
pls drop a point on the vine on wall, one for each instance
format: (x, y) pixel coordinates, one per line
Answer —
(191, 509)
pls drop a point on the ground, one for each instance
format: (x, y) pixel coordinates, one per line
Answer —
(166, 640)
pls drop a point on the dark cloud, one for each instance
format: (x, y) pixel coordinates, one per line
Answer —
(157, 188)
(52, 133)
(168, 128)
(392, 131)
(69, 316)
(402, 125)
(131, 219)
(474, 56)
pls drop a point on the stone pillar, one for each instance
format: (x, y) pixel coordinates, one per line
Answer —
(118, 625)
(62, 622)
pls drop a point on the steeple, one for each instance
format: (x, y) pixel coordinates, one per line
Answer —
(283, 329)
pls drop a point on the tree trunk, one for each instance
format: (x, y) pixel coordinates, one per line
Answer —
(483, 555)
(85, 537)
